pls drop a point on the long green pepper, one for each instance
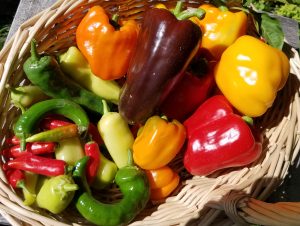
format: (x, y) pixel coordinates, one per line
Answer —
(46, 73)
(133, 184)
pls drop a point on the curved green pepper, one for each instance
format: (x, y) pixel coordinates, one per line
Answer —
(26, 122)
(133, 184)
(46, 73)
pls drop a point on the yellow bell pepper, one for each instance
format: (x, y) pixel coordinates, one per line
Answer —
(250, 73)
(158, 143)
(220, 28)
(163, 182)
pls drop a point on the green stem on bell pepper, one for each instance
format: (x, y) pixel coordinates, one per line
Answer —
(116, 135)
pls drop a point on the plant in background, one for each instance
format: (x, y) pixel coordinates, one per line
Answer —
(3, 34)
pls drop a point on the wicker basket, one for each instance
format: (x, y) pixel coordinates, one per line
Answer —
(230, 197)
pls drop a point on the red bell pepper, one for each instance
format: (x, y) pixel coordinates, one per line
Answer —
(92, 150)
(218, 138)
(192, 91)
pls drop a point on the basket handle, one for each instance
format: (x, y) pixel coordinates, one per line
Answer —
(244, 210)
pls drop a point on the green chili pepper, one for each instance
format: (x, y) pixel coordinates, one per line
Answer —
(76, 66)
(56, 193)
(133, 184)
(26, 122)
(116, 135)
(46, 73)
(79, 174)
(105, 174)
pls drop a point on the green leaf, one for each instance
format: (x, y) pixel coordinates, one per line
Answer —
(272, 31)
(3, 34)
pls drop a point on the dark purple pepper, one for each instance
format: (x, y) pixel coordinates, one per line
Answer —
(165, 47)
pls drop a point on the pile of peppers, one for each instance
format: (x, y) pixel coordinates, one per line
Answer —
(129, 98)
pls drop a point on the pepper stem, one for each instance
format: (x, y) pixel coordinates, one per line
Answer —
(105, 107)
(34, 54)
(248, 120)
(130, 158)
(178, 8)
(70, 187)
(192, 12)
(115, 18)
(114, 21)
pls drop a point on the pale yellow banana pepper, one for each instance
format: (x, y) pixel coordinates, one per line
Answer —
(250, 73)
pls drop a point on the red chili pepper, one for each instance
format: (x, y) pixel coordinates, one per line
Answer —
(94, 133)
(218, 138)
(38, 164)
(36, 148)
(53, 121)
(192, 91)
(12, 140)
(92, 150)
(15, 177)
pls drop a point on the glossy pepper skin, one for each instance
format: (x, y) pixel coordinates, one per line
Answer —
(187, 95)
(56, 193)
(107, 49)
(46, 73)
(220, 28)
(163, 181)
(165, 47)
(133, 184)
(218, 139)
(158, 143)
(76, 66)
(38, 165)
(116, 136)
(257, 72)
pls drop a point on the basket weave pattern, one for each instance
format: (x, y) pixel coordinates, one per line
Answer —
(224, 198)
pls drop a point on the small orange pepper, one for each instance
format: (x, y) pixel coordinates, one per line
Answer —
(163, 182)
(106, 45)
(158, 142)
(220, 28)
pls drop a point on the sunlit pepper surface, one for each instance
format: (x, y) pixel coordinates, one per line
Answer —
(250, 73)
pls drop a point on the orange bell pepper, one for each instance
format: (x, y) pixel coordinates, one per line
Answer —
(220, 28)
(158, 142)
(106, 45)
(163, 182)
